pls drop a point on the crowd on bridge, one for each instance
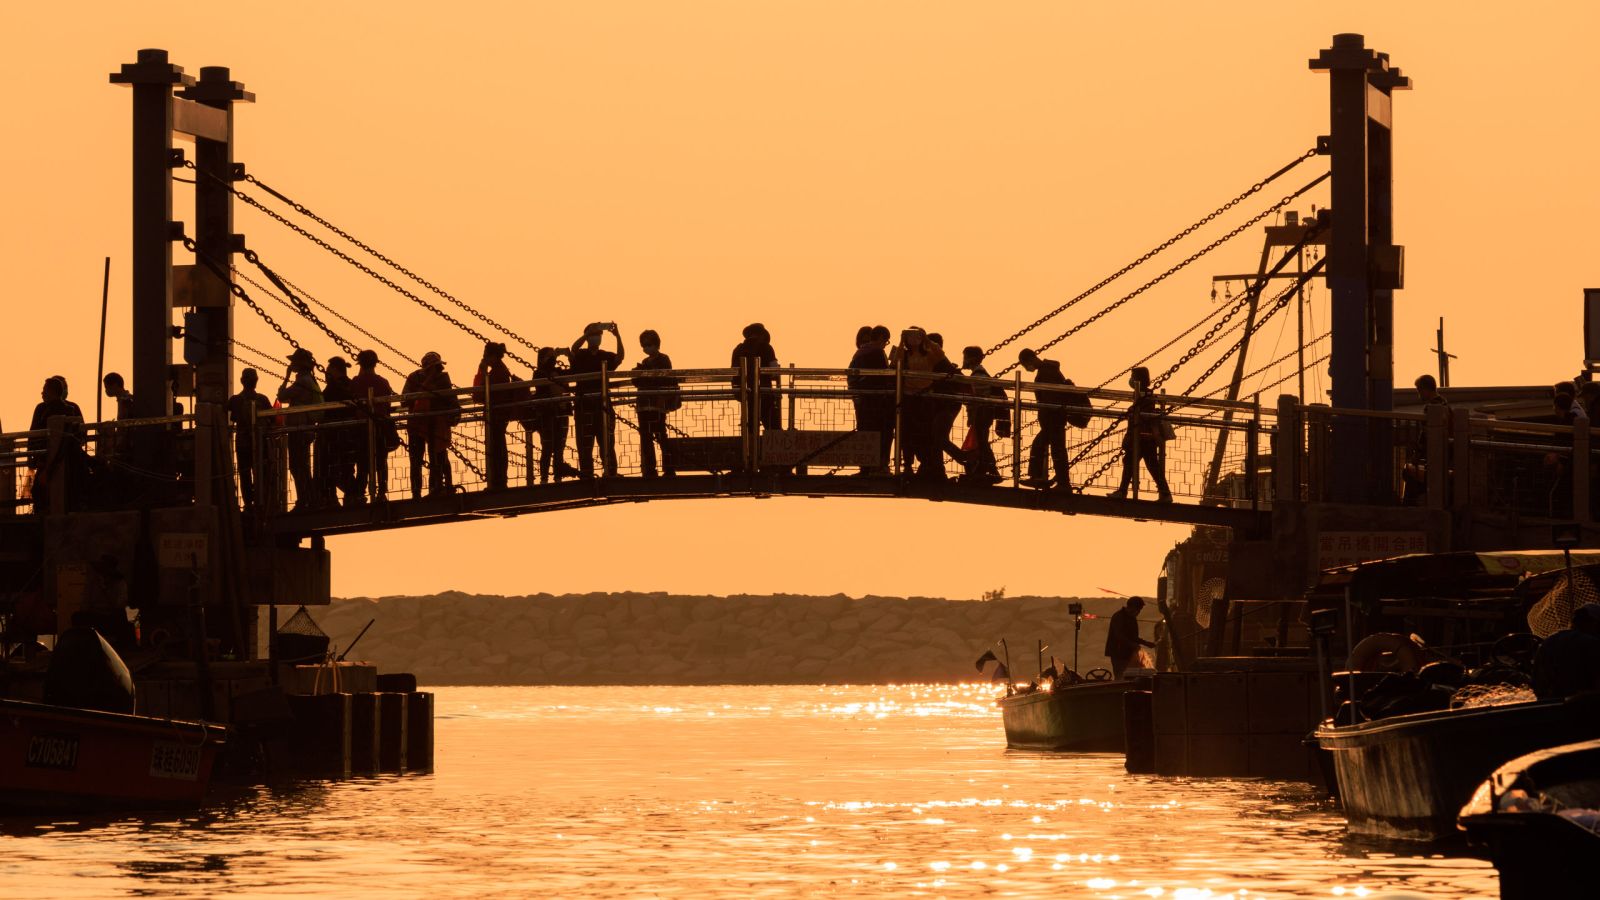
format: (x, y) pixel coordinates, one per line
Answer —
(332, 459)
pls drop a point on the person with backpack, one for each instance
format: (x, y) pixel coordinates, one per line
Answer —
(658, 395)
(1057, 409)
(1144, 439)
(981, 467)
(434, 410)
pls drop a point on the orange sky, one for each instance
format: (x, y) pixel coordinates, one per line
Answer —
(694, 166)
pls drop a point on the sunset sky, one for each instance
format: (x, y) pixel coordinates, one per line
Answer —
(694, 166)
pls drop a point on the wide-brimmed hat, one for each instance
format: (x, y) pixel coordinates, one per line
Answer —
(300, 355)
(431, 358)
(338, 362)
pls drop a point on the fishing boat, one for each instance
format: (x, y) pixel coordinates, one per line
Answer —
(60, 757)
(1406, 777)
(1085, 717)
(1538, 817)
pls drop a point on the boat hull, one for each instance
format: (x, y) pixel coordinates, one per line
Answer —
(55, 757)
(1085, 718)
(1407, 777)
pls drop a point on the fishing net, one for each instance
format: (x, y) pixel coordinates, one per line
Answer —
(1553, 612)
(1477, 695)
(1210, 592)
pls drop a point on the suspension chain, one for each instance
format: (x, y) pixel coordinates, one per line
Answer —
(341, 317)
(380, 277)
(1279, 302)
(301, 209)
(299, 305)
(1164, 347)
(1252, 190)
(1287, 199)
(238, 291)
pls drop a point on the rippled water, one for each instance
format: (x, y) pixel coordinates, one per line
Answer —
(735, 792)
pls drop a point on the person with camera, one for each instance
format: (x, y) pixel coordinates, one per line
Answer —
(589, 360)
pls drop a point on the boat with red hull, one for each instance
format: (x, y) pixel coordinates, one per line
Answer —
(60, 757)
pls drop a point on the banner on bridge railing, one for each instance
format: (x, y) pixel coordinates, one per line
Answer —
(784, 448)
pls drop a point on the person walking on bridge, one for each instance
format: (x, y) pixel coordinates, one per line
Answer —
(489, 384)
(592, 407)
(1122, 638)
(300, 388)
(1143, 439)
(749, 355)
(1051, 441)
(919, 360)
(658, 395)
(985, 411)
(372, 391)
(552, 413)
(434, 410)
(873, 395)
(244, 409)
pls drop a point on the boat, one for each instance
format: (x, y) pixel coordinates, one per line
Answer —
(1085, 717)
(64, 758)
(1538, 817)
(1406, 777)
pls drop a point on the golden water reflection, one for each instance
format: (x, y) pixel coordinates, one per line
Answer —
(740, 791)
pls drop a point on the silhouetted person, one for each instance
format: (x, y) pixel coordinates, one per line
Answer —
(1568, 662)
(658, 395)
(1143, 439)
(1122, 638)
(244, 409)
(873, 395)
(52, 403)
(1051, 440)
(753, 353)
(498, 410)
(342, 437)
(552, 405)
(592, 409)
(372, 392)
(1415, 474)
(946, 406)
(919, 359)
(981, 467)
(300, 388)
(75, 412)
(117, 390)
(434, 410)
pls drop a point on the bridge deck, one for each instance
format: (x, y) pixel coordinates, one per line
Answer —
(516, 501)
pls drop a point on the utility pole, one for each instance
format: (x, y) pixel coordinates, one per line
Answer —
(1444, 358)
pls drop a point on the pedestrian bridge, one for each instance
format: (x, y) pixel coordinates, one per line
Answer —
(1227, 462)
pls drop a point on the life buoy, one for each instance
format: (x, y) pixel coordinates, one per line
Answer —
(1387, 652)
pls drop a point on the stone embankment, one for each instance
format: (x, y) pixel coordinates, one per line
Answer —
(456, 638)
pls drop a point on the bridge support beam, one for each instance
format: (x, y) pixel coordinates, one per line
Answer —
(1364, 266)
(152, 78)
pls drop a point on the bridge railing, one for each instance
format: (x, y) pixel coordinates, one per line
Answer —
(77, 464)
(775, 420)
(1449, 459)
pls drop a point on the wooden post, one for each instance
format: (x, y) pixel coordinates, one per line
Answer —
(1580, 471)
(1286, 450)
(1016, 431)
(1461, 460)
(1438, 444)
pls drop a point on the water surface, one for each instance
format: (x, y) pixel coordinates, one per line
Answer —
(735, 792)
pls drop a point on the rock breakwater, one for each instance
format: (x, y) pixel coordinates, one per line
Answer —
(657, 638)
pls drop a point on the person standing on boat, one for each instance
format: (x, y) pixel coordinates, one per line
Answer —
(1568, 662)
(1122, 640)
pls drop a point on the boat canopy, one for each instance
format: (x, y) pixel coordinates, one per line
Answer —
(1460, 574)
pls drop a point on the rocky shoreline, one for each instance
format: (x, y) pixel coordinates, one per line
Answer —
(657, 638)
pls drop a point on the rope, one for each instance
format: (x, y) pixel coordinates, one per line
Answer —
(1287, 199)
(1253, 189)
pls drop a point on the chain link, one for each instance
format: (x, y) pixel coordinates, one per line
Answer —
(238, 291)
(1287, 199)
(1279, 302)
(1205, 220)
(380, 277)
(298, 304)
(303, 210)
